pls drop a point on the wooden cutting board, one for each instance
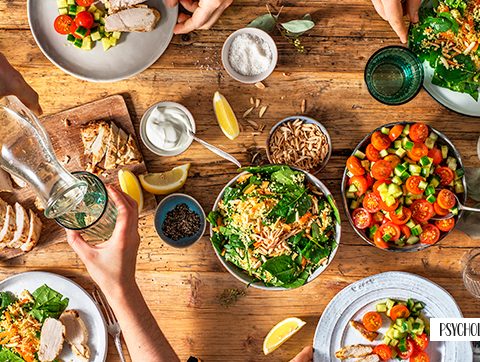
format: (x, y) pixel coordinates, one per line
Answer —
(64, 131)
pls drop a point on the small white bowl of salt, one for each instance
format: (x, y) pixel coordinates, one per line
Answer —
(249, 55)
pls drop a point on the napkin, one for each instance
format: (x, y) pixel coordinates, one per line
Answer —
(470, 221)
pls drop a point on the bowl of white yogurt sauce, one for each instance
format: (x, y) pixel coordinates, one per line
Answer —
(164, 128)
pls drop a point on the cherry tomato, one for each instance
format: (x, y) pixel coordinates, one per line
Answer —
(378, 217)
(399, 311)
(406, 231)
(446, 199)
(419, 356)
(380, 141)
(74, 27)
(371, 202)
(402, 218)
(422, 210)
(361, 218)
(439, 210)
(85, 19)
(445, 225)
(446, 175)
(381, 170)
(62, 24)
(84, 2)
(383, 351)
(394, 160)
(436, 155)
(388, 228)
(369, 180)
(421, 341)
(418, 132)
(372, 153)
(378, 183)
(372, 321)
(360, 183)
(418, 151)
(410, 350)
(355, 166)
(412, 185)
(430, 234)
(385, 207)
(379, 242)
(395, 132)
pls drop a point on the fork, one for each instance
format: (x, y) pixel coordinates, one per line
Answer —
(113, 327)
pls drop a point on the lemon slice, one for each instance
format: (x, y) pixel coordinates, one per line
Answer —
(280, 333)
(130, 185)
(225, 116)
(164, 183)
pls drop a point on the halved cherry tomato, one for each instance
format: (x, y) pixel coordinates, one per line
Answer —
(371, 202)
(445, 225)
(84, 2)
(406, 231)
(378, 217)
(372, 153)
(378, 183)
(381, 170)
(385, 207)
(412, 184)
(421, 341)
(383, 351)
(62, 24)
(395, 132)
(394, 160)
(369, 180)
(74, 27)
(380, 141)
(419, 356)
(418, 132)
(360, 183)
(418, 151)
(401, 218)
(399, 311)
(372, 321)
(446, 199)
(436, 155)
(85, 19)
(430, 234)
(440, 210)
(361, 218)
(388, 228)
(409, 352)
(446, 175)
(422, 210)
(378, 241)
(355, 166)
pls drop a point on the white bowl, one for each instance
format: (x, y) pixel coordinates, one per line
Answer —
(245, 78)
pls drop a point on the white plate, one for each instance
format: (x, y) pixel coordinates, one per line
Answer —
(333, 330)
(79, 300)
(134, 53)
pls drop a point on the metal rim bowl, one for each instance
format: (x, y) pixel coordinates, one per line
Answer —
(241, 275)
(307, 120)
(442, 139)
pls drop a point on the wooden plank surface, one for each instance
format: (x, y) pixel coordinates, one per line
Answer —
(183, 286)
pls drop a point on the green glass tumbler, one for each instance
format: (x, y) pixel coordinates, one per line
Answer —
(394, 75)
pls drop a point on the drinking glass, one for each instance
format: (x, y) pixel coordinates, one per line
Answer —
(471, 273)
(96, 214)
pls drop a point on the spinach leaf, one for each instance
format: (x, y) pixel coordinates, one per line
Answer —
(301, 280)
(48, 303)
(6, 298)
(213, 217)
(281, 267)
(8, 356)
(456, 4)
(332, 203)
(288, 206)
(449, 16)
(284, 176)
(231, 193)
(267, 169)
(217, 241)
(439, 25)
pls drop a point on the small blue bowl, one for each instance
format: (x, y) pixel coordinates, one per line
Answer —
(167, 205)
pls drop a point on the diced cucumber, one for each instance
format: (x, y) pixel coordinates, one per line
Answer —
(383, 188)
(444, 151)
(431, 199)
(62, 4)
(80, 9)
(353, 205)
(385, 130)
(70, 38)
(389, 303)
(416, 230)
(422, 185)
(397, 180)
(383, 153)
(96, 36)
(352, 188)
(87, 43)
(433, 136)
(405, 175)
(395, 190)
(359, 154)
(365, 163)
(81, 31)
(101, 21)
(389, 333)
(425, 171)
(117, 35)
(78, 43)
(414, 169)
(386, 340)
(92, 8)
(106, 45)
(381, 308)
(454, 210)
(459, 173)
(459, 189)
(435, 181)
(350, 195)
(408, 145)
(399, 321)
(63, 11)
(70, 2)
(430, 143)
(397, 334)
(411, 224)
(386, 237)
(372, 230)
(408, 200)
(399, 169)
(97, 16)
(390, 200)
(397, 144)
(430, 190)
(400, 152)
(406, 130)
(391, 150)
(452, 163)
(425, 161)
(72, 10)
(413, 240)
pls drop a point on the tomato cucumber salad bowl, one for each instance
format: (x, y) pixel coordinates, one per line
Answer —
(398, 178)
(275, 227)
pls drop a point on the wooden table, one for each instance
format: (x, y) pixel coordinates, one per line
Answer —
(183, 286)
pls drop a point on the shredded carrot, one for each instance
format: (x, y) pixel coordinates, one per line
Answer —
(304, 261)
(305, 218)
(257, 244)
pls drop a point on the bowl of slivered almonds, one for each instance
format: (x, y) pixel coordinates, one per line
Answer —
(301, 142)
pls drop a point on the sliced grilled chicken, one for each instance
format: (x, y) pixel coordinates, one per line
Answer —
(136, 19)
(354, 351)
(115, 5)
(121, 142)
(8, 227)
(99, 131)
(3, 212)
(111, 153)
(33, 232)
(371, 336)
(129, 153)
(370, 358)
(5, 181)
(18, 181)
(76, 333)
(22, 227)
(51, 340)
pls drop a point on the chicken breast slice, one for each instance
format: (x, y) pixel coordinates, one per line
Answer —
(354, 351)
(33, 232)
(129, 153)
(371, 336)
(111, 153)
(115, 5)
(8, 228)
(370, 358)
(76, 333)
(5, 181)
(22, 227)
(137, 19)
(51, 340)
(122, 141)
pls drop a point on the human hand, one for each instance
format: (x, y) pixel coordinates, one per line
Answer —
(12, 83)
(393, 11)
(204, 14)
(111, 264)
(306, 355)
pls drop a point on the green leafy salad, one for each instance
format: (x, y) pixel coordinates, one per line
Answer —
(447, 36)
(275, 225)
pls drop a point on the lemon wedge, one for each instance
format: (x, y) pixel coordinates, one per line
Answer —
(280, 333)
(225, 116)
(130, 185)
(164, 183)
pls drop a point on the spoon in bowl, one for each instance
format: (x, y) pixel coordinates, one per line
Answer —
(460, 206)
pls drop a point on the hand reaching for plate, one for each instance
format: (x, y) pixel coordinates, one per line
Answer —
(306, 355)
(13, 84)
(204, 14)
(393, 11)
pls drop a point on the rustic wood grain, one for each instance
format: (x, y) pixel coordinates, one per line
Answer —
(182, 286)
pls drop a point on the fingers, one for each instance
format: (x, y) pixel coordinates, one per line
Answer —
(203, 16)
(394, 12)
(182, 17)
(79, 245)
(379, 8)
(412, 10)
(127, 208)
(171, 3)
(26, 94)
(189, 5)
(306, 355)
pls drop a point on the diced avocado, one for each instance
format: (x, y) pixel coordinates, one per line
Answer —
(390, 200)
(97, 16)
(352, 188)
(386, 340)
(353, 205)
(106, 45)
(431, 198)
(385, 130)
(350, 195)
(365, 163)
(433, 136)
(63, 11)
(435, 181)
(359, 154)
(80, 9)
(381, 308)
(383, 153)
(413, 240)
(430, 143)
(459, 189)
(383, 188)
(117, 35)
(400, 152)
(87, 43)
(62, 4)
(113, 42)
(397, 144)
(389, 333)
(444, 151)
(397, 334)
